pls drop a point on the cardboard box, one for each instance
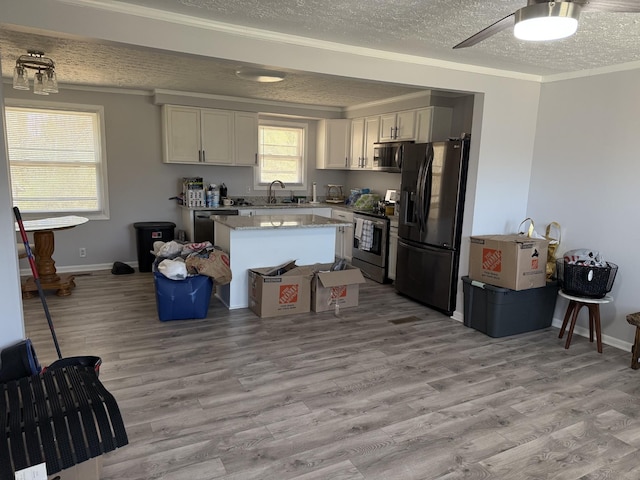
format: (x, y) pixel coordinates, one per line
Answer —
(341, 286)
(514, 261)
(280, 290)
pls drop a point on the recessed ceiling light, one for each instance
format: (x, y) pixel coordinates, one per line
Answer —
(260, 75)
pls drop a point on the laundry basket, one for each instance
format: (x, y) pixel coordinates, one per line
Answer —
(586, 280)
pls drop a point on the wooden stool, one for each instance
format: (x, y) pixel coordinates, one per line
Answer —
(634, 319)
(575, 304)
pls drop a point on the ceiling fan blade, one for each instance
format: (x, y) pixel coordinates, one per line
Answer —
(617, 6)
(492, 29)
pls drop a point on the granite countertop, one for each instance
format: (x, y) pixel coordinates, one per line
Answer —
(255, 206)
(260, 222)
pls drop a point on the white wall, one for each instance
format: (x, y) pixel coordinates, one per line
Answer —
(585, 176)
(505, 112)
(11, 320)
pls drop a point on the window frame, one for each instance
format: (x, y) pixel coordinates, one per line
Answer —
(102, 182)
(288, 123)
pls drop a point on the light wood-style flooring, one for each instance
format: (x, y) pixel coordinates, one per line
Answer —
(316, 396)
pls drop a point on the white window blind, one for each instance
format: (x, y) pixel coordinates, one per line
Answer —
(56, 160)
(281, 153)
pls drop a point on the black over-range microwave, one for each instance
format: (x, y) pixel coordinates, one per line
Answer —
(387, 157)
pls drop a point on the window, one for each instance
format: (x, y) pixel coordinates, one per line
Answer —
(281, 149)
(57, 159)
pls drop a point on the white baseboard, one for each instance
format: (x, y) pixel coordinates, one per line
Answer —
(25, 272)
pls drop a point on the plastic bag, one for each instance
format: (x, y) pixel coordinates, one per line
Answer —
(554, 243)
(530, 231)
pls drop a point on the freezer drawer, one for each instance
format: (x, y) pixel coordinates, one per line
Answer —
(426, 274)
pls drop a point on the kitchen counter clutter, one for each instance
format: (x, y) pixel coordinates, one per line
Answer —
(289, 221)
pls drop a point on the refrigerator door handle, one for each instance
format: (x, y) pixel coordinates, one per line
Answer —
(427, 185)
(419, 205)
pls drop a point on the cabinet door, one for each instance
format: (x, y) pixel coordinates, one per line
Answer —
(217, 136)
(344, 235)
(433, 124)
(406, 125)
(181, 133)
(372, 136)
(388, 127)
(333, 144)
(246, 138)
(356, 158)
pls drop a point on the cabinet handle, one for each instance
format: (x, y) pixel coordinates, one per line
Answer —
(256, 159)
(391, 134)
(346, 161)
(203, 156)
(199, 155)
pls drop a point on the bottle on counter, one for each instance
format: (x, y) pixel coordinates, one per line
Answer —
(209, 197)
(215, 201)
(223, 190)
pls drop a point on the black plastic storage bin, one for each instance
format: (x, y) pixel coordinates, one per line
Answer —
(146, 234)
(500, 312)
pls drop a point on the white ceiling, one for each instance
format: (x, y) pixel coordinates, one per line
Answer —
(427, 28)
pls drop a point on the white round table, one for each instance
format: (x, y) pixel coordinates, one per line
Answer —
(575, 304)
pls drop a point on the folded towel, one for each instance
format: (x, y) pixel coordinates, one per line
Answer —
(358, 232)
(366, 239)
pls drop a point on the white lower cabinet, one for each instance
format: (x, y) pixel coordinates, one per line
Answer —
(393, 252)
(344, 235)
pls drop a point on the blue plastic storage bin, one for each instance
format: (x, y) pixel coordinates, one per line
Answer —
(182, 299)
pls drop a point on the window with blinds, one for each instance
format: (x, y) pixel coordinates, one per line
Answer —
(56, 159)
(281, 153)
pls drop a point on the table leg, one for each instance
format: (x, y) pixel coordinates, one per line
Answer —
(635, 352)
(595, 310)
(574, 317)
(567, 316)
(43, 250)
(49, 279)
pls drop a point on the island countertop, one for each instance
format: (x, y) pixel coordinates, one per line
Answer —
(260, 222)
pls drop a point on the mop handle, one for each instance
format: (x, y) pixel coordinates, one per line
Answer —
(36, 279)
(25, 240)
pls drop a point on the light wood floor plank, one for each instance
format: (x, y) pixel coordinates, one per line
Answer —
(352, 397)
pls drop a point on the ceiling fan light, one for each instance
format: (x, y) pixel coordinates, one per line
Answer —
(546, 21)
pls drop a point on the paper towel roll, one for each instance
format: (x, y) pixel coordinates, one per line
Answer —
(314, 196)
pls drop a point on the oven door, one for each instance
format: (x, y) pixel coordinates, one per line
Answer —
(376, 253)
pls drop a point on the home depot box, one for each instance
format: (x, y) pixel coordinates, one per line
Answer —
(329, 288)
(281, 290)
(516, 262)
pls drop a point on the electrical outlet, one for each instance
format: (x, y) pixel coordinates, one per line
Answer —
(248, 189)
(83, 252)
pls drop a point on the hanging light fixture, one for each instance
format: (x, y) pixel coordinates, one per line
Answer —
(44, 80)
(547, 21)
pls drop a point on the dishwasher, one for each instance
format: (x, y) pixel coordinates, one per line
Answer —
(203, 225)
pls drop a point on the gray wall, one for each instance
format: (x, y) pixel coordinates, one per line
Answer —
(585, 176)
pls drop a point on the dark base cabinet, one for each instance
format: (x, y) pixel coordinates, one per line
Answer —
(500, 312)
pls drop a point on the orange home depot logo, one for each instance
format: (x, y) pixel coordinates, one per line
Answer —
(339, 291)
(492, 259)
(534, 264)
(288, 294)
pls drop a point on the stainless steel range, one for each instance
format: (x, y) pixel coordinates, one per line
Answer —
(370, 245)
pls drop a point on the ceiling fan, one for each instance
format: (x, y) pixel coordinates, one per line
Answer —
(544, 20)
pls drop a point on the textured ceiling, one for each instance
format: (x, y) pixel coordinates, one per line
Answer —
(428, 28)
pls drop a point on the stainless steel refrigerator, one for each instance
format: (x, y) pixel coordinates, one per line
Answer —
(434, 178)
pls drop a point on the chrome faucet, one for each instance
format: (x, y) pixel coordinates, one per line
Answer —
(271, 197)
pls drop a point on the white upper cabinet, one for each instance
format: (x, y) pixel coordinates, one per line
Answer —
(399, 126)
(246, 138)
(433, 124)
(217, 136)
(332, 150)
(209, 136)
(371, 137)
(181, 133)
(357, 157)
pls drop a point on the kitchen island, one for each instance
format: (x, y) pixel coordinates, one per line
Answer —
(270, 240)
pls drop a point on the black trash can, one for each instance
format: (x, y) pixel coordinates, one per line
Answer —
(146, 234)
